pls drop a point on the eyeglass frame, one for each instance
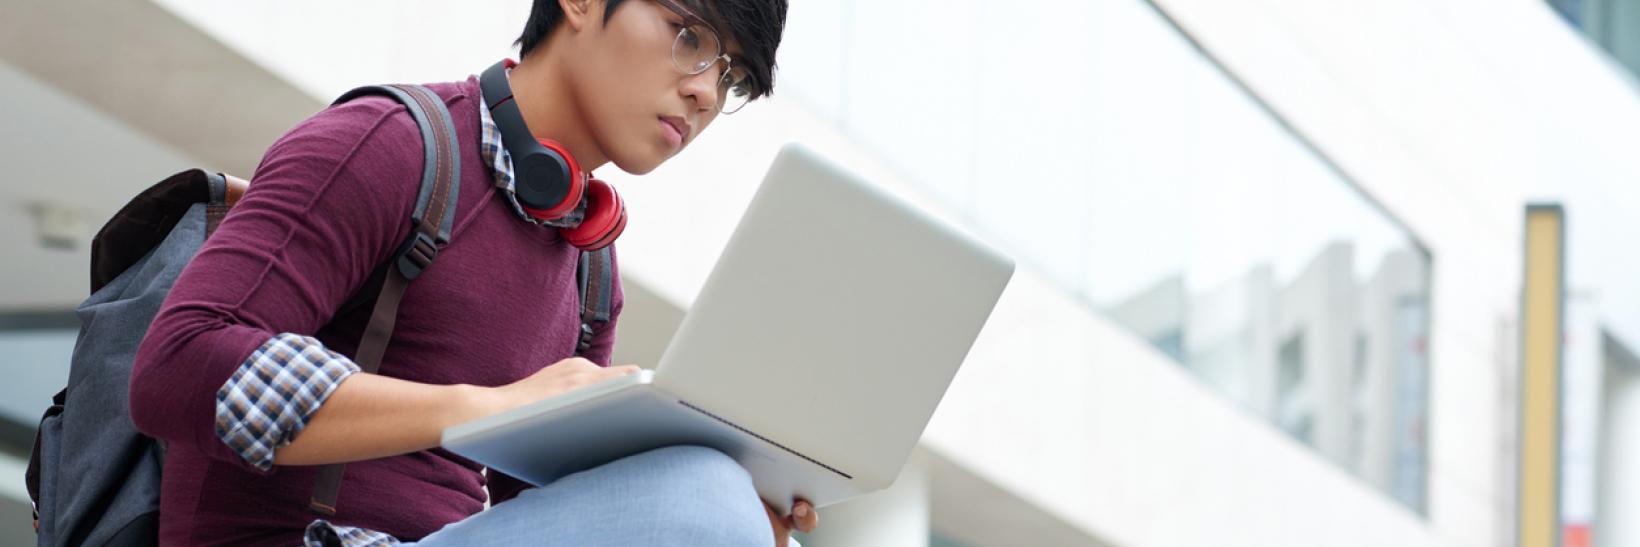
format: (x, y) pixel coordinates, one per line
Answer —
(692, 20)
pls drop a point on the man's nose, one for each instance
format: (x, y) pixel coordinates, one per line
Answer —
(703, 87)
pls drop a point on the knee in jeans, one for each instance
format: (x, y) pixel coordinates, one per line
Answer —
(698, 472)
(707, 463)
(710, 496)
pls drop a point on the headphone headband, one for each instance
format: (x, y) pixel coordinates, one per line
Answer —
(498, 97)
(547, 181)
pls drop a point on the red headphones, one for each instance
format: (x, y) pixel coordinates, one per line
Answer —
(549, 183)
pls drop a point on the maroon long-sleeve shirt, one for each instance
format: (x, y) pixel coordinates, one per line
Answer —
(330, 201)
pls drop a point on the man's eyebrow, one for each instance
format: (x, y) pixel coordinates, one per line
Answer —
(691, 10)
(695, 6)
(700, 12)
(705, 14)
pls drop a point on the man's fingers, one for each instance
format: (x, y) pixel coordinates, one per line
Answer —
(804, 518)
(625, 369)
(599, 374)
(603, 373)
(781, 527)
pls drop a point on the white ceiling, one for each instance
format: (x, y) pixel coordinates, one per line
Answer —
(104, 99)
(46, 147)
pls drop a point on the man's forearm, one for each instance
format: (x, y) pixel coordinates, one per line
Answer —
(371, 416)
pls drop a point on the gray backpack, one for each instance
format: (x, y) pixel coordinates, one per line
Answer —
(93, 478)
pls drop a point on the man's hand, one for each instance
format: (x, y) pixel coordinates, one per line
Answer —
(558, 378)
(373, 416)
(803, 519)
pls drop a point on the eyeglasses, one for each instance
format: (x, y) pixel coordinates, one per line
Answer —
(697, 48)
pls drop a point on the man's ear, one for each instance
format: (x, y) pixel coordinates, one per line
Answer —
(580, 13)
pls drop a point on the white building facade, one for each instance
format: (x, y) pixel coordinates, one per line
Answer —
(1269, 250)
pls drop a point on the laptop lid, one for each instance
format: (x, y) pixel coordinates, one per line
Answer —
(834, 320)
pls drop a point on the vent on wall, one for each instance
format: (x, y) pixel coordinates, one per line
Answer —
(60, 227)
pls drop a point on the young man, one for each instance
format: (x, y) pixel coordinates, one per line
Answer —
(245, 376)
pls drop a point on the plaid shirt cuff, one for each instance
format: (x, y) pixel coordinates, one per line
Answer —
(324, 534)
(269, 399)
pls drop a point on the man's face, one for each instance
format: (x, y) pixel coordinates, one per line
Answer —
(638, 106)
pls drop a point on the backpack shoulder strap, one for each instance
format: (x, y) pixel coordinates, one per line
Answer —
(597, 280)
(435, 211)
(432, 221)
(225, 191)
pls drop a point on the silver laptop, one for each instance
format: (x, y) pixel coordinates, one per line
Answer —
(814, 355)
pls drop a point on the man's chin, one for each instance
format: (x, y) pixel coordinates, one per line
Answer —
(641, 165)
(636, 170)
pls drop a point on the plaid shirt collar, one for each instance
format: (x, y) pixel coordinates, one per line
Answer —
(500, 162)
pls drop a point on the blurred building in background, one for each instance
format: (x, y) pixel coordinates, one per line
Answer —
(1613, 24)
(1270, 251)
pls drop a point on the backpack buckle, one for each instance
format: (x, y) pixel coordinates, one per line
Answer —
(586, 339)
(416, 254)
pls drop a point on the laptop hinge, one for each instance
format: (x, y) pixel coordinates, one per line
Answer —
(766, 439)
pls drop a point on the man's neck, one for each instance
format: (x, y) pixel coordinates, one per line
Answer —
(550, 109)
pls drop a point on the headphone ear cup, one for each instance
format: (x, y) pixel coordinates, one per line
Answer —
(541, 185)
(605, 218)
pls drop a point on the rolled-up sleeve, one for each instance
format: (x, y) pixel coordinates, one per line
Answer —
(219, 369)
(270, 398)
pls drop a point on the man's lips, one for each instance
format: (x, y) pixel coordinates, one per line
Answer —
(678, 125)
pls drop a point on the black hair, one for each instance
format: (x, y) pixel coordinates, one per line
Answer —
(754, 24)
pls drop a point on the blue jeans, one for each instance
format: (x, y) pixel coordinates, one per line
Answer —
(679, 495)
